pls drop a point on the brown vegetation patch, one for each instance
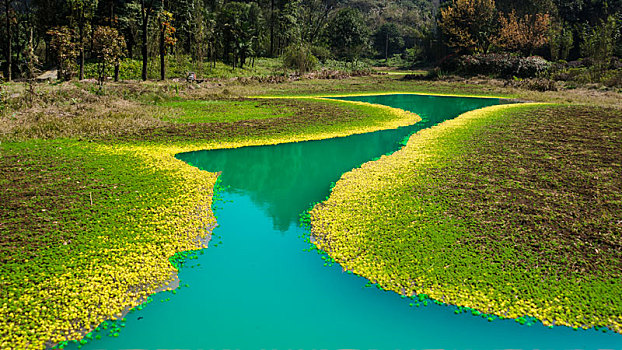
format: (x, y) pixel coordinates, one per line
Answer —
(553, 175)
(34, 201)
(306, 114)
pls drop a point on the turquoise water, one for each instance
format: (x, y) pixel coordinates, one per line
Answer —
(257, 288)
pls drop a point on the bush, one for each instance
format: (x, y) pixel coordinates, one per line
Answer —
(300, 58)
(584, 73)
(612, 78)
(128, 70)
(357, 66)
(498, 65)
(322, 53)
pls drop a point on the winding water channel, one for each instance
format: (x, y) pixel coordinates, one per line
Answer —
(257, 288)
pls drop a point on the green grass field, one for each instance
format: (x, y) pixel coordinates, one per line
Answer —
(96, 204)
(512, 211)
(94, 210)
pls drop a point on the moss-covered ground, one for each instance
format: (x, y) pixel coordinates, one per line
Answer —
(88, 223)
(512, 210)
(94, 203)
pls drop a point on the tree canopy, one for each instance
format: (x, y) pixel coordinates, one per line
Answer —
(236, 31)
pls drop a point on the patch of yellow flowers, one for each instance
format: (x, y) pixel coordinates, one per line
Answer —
(118, 274)
(372, 226)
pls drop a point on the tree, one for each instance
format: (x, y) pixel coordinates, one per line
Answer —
(239, 24)
(300, 58)
(599, 43)
(469, 25)
(9, 14)
(287, 27)
(109, 48)
(526, 7)
(523, 34)
(312, 17)
(66, 50)
(388, 40)
(167, 38)
(82, 12)
(347, 34)
(146, 9)
(130, 21)
(48, 14)
(560, 41)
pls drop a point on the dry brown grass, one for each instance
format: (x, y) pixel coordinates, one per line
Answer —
(80, 110)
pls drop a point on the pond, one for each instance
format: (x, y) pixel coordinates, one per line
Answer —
(258, 286)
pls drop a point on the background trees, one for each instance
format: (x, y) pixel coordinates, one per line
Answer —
(108, 47)
(235, 32)
(347, 35)
(239, 23)
(388, 40)
(524, 34)
(469, 25)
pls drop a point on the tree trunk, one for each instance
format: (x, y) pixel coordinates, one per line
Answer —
(145, 18)
(214, 56)
(130, 48)
(162, 53)
(9, 52)
(111, 14)
(81, 28)
(116, 71)
(47, 51)
(271, 28)
(386, 49)
(242, 58)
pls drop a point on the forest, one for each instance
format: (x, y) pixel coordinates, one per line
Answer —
(124, 38)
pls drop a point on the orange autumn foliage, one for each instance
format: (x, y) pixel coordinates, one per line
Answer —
(523, 34)
(468, 25)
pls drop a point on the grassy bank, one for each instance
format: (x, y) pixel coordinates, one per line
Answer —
(87, 231)
(94, 210)
(95, 202)
(512, 211)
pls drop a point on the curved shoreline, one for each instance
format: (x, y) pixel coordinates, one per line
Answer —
(338, 226)
(186, 222)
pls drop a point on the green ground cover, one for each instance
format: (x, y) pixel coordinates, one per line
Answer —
(512, 211)
(301, 119)
(59, 235)
(178, 67)
(215, 111)
(90, 218)
(87, 231)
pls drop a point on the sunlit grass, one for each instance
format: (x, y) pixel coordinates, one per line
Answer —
(508, 210)
(74, 150)
(88, 228)
(219, 111)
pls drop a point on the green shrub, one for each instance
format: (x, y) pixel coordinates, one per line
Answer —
(300, 58)
(498, 65)
(322, 53)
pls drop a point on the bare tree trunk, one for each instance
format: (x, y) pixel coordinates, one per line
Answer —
(9, 52)
(130, 48)
(145, 18)
(271, 28)
(162, 53)
(111, 14)
(47, 51)
(81, 28)
(386, 48)
(116, 71)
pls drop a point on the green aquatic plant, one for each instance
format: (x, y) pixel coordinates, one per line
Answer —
(449, 216)
(105, 243)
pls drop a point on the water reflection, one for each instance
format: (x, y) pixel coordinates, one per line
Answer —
(284, 179)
